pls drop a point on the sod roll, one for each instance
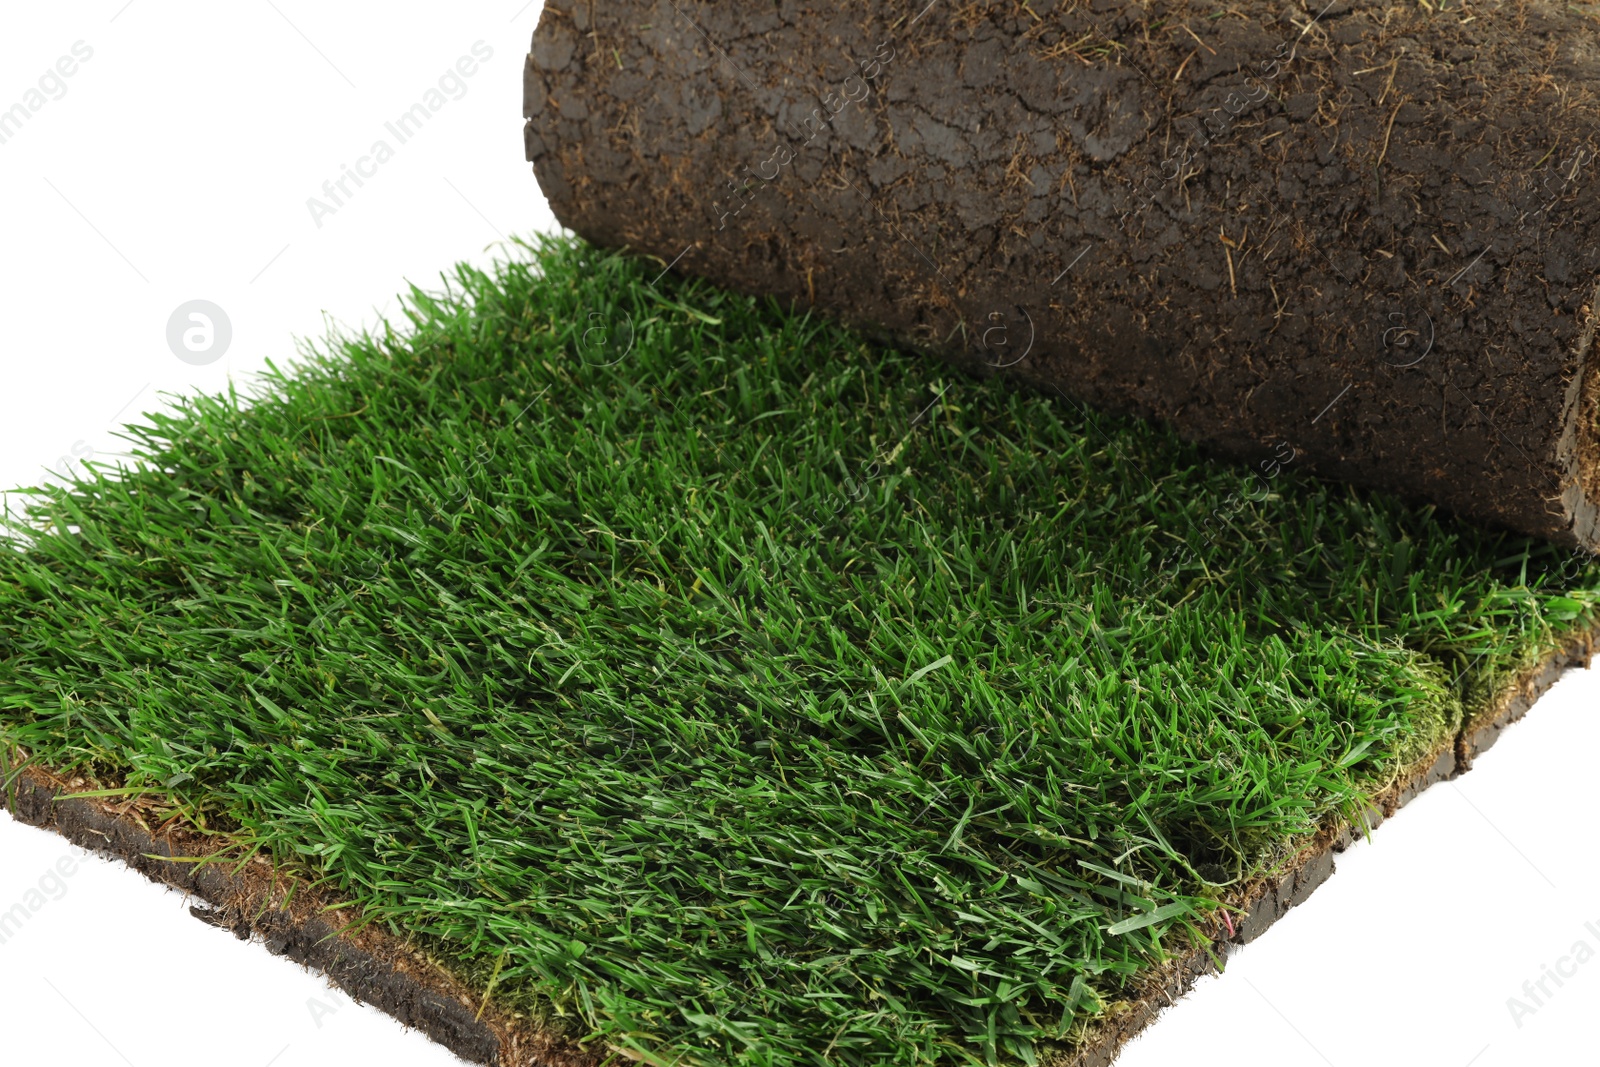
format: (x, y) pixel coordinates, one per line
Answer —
(1357, 239)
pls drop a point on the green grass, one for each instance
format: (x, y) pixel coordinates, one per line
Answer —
(741, 690)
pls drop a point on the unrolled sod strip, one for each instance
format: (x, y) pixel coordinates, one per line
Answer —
(1360, 237)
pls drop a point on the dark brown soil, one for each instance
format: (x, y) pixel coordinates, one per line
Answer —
(1365, 230)
(378, 968)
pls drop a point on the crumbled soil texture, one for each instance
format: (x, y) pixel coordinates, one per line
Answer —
(1364, 232)
(666, 675)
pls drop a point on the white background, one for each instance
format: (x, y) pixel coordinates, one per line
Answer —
(177, 166)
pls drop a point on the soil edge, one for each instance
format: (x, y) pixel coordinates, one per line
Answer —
(295, 919)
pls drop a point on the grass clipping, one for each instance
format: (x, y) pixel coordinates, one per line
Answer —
(724, 688)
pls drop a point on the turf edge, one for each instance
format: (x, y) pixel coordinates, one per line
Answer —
(292, 918)
(1266, 900)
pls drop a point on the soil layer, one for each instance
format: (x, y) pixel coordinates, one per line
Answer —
(1362, 230)
(297, 920)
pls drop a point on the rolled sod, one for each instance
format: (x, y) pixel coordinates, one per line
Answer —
(598, 666)
(1364, 234)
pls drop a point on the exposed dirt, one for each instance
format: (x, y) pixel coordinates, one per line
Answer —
(1365, 229)
(381, 969)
